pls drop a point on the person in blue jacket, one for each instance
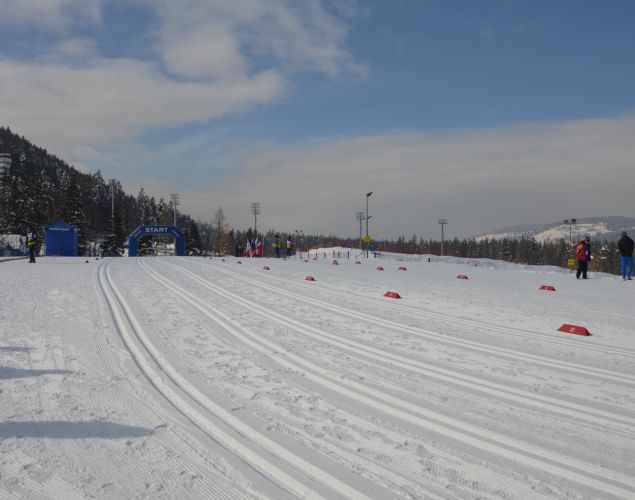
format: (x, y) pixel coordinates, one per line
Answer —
(625, 245)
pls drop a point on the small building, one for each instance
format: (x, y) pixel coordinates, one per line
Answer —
(61, 239)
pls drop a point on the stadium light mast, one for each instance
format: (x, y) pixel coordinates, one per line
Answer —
(571, 222)
(255, 209)
(174, 202)
(367, 217)
(442, 222)
(360, 217)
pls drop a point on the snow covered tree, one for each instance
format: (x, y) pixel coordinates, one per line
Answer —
(73, 210)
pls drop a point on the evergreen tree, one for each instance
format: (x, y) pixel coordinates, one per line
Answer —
(73, 210)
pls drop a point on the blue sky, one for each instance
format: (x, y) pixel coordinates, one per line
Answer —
(488, 113)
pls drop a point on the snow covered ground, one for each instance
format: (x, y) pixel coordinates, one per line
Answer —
(183, 378)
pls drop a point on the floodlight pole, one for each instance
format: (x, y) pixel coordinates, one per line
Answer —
(298, 236)
(367, 217)
(360, 218)
(255, 209)
(174, 201)
(571, 222)
(442, 222)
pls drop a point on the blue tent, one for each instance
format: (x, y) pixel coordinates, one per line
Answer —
(61, 239)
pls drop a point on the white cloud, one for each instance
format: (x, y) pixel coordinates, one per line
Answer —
(215, 58)
(202, 38)
(50, 15)
(62, 106)
(478, 179)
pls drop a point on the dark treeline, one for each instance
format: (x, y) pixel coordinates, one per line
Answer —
(39, 189)
(606, 256)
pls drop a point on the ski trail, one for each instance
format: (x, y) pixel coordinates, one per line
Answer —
(446, 318)
(571, 469)
(284, 480)
(609, 375)
(585, 413)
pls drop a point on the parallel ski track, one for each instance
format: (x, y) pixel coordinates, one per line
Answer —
(157, 368)
(546, 404)
(446, 318)
(209, 482)
(438, 337)
(331, 447)
(607, 481)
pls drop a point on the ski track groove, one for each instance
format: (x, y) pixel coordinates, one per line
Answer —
(608, 375)
(328, 446)
(446, 318)
(529, 455)
(285, 481)
(546, 403)
(146, 416)
(123, 389)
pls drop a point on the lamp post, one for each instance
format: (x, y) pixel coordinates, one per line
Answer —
(174, 202)
(360, 218)
(367, 217)
(571, 222)
(442, 222)
(298, 237)
(255, 209)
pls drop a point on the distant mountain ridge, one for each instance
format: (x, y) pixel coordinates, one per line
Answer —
(599, 228)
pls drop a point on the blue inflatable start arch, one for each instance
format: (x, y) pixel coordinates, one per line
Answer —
(141, 231)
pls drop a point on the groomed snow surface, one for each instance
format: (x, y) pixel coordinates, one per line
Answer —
(177, 378)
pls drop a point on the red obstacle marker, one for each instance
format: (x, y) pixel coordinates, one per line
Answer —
(549, 288)
(577, 330)
(335, 263)
(392, 295)
(357, 262)
(238, 262)
(462, 277)
(380, 268)
(309, 278)
(402, 268)
(223, 260)
(266, 268)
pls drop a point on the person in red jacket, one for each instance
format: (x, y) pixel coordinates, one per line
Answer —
(582, 251)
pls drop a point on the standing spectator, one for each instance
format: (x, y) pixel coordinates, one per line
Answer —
(289, 246)
(31, 243)
(583, 256)
(276, 245)
(626, 251)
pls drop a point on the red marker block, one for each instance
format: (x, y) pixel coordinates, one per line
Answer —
(576, 330)
(357, 262)
(266, 268)
(309, 278)
(402, 268)
(335, 263)
(380, 268)
(238, 262)
(462, 277)
(392, 295)
(549, 288)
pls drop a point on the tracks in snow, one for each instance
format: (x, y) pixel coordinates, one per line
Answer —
(438, 337)
(546, 404)
(571, 469)
(446, 318)
(196, 406)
